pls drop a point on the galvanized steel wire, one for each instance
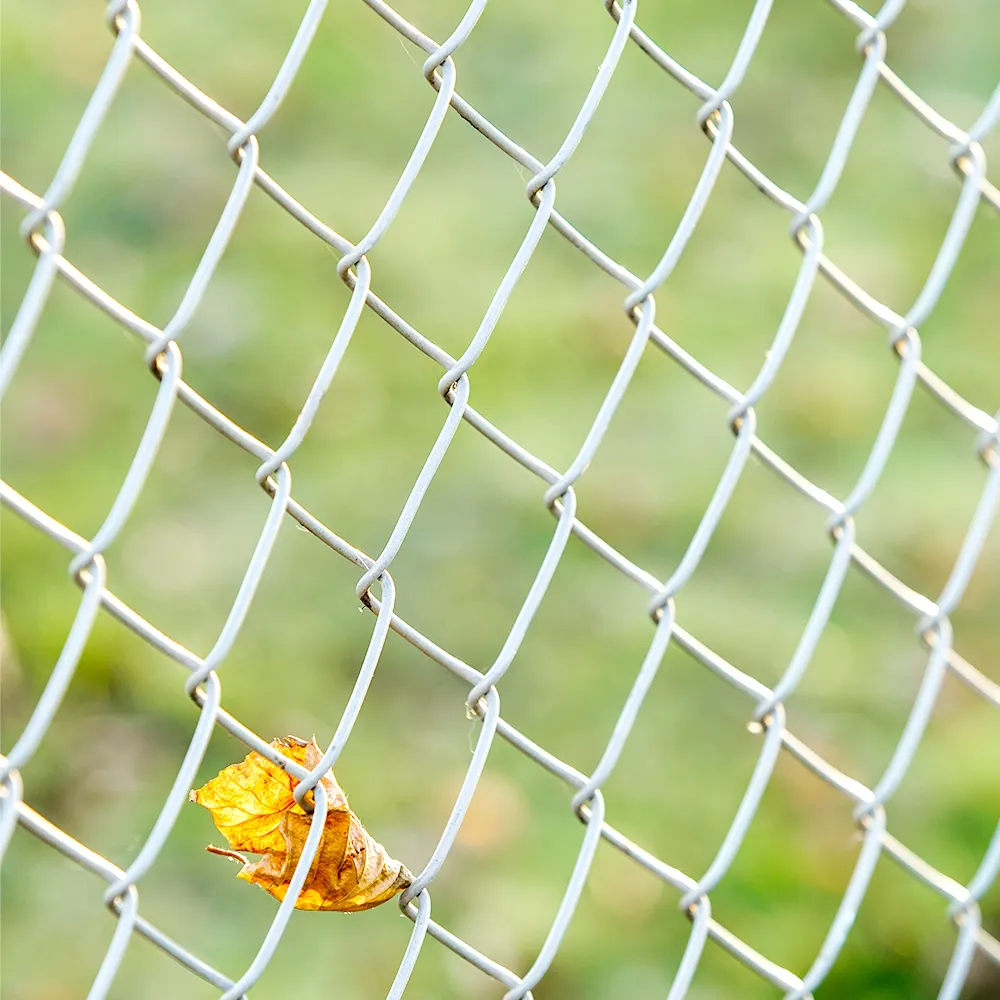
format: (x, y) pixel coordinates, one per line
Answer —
(45, 234)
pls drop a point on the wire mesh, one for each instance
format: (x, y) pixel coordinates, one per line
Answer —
(45, 234)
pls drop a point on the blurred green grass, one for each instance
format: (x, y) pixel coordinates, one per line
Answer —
(143, 210)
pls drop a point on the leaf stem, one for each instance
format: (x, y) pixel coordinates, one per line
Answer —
(227, 854)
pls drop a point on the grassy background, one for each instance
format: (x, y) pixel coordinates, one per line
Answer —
(138, 222)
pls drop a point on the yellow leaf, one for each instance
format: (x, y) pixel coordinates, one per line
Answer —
(253, 806)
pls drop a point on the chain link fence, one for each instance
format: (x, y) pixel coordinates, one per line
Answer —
(769, 708)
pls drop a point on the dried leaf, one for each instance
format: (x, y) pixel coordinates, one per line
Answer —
(254, 808)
